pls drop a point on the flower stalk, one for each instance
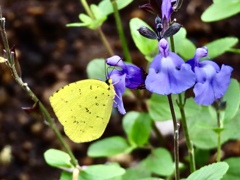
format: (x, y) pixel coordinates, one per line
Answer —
(219, 150)
(99, 30)
(186, 134)
(176, 137)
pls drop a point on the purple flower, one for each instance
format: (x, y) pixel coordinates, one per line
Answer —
(168, 74)
(129, 76)
(211, 81)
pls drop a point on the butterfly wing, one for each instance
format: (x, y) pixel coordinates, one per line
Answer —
(84, 108)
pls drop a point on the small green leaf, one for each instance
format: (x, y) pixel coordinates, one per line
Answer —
(96, 69)
(201, 129)
(91, 23)
(220, 46)
(183, 46)
(160, 162)
(213, 171)
(57, 158)
(201, 156)
(136, 173)
(128, 121)
(108, 147)
(231, 128)
(191, 108)
(66, 176)
(147, 47)
(218, 130)
(232, 97)
(106, 5)
(100, 17)
(150, 178)
(85, 19)
(233, 172)
(221, 10)
(101, 172)
(159, 107)
(137, 128)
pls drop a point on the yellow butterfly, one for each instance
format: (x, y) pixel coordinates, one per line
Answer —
(84, 108)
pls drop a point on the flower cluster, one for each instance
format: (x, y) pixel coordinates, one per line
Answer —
(211, 81)
(128, 75)
(168, 73)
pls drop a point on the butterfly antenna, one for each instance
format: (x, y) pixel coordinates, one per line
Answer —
(114, 67)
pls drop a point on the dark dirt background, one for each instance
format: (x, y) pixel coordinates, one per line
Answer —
(52, 55)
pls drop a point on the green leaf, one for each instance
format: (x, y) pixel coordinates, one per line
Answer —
(160, 162)
(108, 147)
(136, 173)
(128, 121)
(220, 46)
(232, 97)
(213, 171)
(101, 172)
(147, 47)
(233, 172)
(151, 178)
(58, 159)
(138, 127)
(99, 15)
(201, 156)
(66, 176)
(183, 46)
(202, 132)
(221, 10)
(91, 23)
(191, 108)
(85, 19)
(231, 128)
(159, 108)
(96, 69)
(106, 5)
(200, 129)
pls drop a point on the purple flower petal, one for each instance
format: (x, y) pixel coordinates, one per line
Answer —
(221, 81)
(169, 75)
(115, 61)
(204, 93)
(212, 82)
(119, 87)
(134, 77)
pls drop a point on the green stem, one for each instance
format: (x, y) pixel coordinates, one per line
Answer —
(184, 123)
(99, 30)
(87, 9)
(176, 138)
(219, 150)
(120, 31)
(46, 115)
(186, 134)
(33, 96)
(105, 41)
(172, 44)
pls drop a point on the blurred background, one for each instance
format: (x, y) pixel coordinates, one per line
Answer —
(52, 55)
